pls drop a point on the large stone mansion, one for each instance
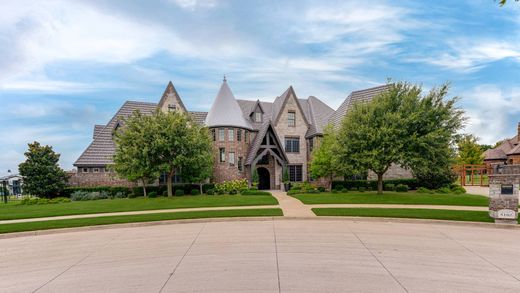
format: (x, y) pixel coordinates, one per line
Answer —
(247, 135)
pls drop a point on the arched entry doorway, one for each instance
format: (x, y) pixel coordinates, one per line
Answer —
(264, 180)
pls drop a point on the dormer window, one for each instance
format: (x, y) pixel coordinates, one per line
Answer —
(172, 107)
(258, 117)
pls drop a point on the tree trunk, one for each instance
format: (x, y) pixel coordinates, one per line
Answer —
(144, 187)
(330, 182)
(200, 186)
(169, 183)
(380, 183)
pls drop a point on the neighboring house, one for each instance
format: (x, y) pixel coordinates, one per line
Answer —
(507, 152)
(13, 184)
(247, 135)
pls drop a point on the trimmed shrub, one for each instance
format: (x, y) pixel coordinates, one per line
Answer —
(233, 191)
(179, 192)
(210, 192)
(152, 194)
(334, 191)
(362, 189)
(443, 190)
(344, 190)
(401, 188)
(165, 193)
(221, 192)
(412, 183)
(195, 192)
(352, 188)
(457, 189)
(389, 187)
(321, 189)
(424, 190)
(231, 187)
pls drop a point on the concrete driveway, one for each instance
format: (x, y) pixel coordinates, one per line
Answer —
(271, 255)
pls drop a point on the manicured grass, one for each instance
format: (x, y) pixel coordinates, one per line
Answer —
(393, 198)
(55, 224)
(473, 216)
(10, 212)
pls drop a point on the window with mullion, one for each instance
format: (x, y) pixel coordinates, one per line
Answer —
(292, 144)
(295, 173)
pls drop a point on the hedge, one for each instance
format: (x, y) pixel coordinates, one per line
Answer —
(372, 184)
(138, 190)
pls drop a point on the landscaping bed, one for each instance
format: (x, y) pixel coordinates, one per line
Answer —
(18, 211)
(452, 215)
(393, 198)
(95, 221)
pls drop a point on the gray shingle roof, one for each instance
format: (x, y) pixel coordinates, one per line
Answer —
(198, 117)
(102, 148)
(508, 147)
(319, 115)
(356, 97)
(225, 110)
(97, 130)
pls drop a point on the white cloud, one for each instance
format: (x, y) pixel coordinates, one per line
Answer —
(193, 4)
(491, 110)
(469, 56)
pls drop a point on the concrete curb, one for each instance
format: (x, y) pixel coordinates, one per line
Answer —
(251, 219)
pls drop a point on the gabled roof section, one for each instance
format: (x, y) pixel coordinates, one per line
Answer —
(257, 142)
(505, 148)
(170, 91)
(257, 105)
(320, 114)
(102, 148)
(365, 95)
(97, 130)
(198, 117)
(225, 110)
(280, 102)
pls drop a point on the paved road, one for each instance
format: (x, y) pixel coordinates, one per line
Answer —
(273, 255)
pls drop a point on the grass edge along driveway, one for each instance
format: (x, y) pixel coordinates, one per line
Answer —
(12, 212)
(393, 198)
(452, 215)
(96, 221)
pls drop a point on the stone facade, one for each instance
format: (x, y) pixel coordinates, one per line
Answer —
(284, 131)
(500, 204)
(225, 171)
(394, 172)
(91, 178)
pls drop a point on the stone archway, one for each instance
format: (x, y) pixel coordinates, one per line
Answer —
(264, 178)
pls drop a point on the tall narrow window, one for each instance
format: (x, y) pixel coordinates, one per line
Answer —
(239, 134)
(311, 144)
(231, 134)
(292, 144)
(222, 154)
(258, 117)
(231, 156)
(295, 173)
(214, 134)
(291, 118)
(240, 167)
(221, 134)
(246, 136)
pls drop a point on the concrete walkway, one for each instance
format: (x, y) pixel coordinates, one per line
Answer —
(290, 206)
(271, 255)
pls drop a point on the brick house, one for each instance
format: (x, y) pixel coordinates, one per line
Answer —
(507, 152)
(247, 135)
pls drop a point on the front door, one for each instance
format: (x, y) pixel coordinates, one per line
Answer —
(264, 180)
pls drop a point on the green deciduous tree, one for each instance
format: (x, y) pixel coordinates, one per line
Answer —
(133, 159)
(42, 176)
(401, 126)
(325, 162)
(469, 151)
(181, 145)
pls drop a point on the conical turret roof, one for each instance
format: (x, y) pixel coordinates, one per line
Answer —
(225, 110)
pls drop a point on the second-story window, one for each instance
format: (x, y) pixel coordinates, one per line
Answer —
(214, 134)
(292, 144)
(311, 144)
(231, 134)
(239, 134)
(222, 154)
(231, 156)
(221, 134)
(291, 118)
(258, 117)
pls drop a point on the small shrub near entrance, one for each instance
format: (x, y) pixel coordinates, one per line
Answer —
(401, 188)
(195, 192)
(179, 192)
(210, 192)
(152, 194)
(231, 187)
(389, 187)
(424, 190)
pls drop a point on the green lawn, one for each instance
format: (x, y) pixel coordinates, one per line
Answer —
(11, 211)
(55, 224)
(393, 198)
(473, 216)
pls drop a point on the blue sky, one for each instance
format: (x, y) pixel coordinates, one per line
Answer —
(67, 65)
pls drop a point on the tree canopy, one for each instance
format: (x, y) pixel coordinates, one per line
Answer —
(469, 151)
(165, 142)
(401, 126)
(133, 159)
(42, 176)
(325, 162)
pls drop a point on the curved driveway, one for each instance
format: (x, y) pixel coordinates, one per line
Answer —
(271, 255)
